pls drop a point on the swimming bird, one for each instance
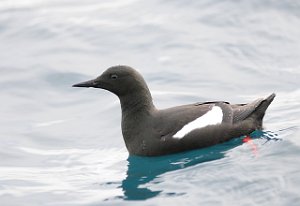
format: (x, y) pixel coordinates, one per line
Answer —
(148, 131)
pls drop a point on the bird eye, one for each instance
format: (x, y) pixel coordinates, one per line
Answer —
(113, 76)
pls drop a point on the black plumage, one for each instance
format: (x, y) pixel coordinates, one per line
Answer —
(148, 131)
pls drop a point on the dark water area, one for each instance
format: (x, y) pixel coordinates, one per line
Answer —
(63, 146)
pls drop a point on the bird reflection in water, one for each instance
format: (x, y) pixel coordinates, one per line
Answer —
(142, 170)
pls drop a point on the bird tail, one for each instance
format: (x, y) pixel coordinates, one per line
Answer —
(260, 110)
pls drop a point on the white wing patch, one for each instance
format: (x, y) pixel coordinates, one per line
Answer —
(214, 116)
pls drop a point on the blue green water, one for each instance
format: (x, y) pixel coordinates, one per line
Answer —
(63, 146)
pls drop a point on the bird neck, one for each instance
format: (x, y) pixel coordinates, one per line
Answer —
(137, 102)
(137, 109)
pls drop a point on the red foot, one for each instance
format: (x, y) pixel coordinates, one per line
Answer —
(253, 146)
(247, 139)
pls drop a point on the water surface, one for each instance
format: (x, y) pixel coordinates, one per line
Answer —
(63, 146)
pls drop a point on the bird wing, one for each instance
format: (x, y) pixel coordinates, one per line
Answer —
(170, 121)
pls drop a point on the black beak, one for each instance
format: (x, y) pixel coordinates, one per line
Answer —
(90, 83)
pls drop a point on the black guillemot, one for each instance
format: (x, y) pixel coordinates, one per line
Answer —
(148, 131)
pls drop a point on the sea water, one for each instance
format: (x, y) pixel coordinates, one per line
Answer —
(63, 146)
